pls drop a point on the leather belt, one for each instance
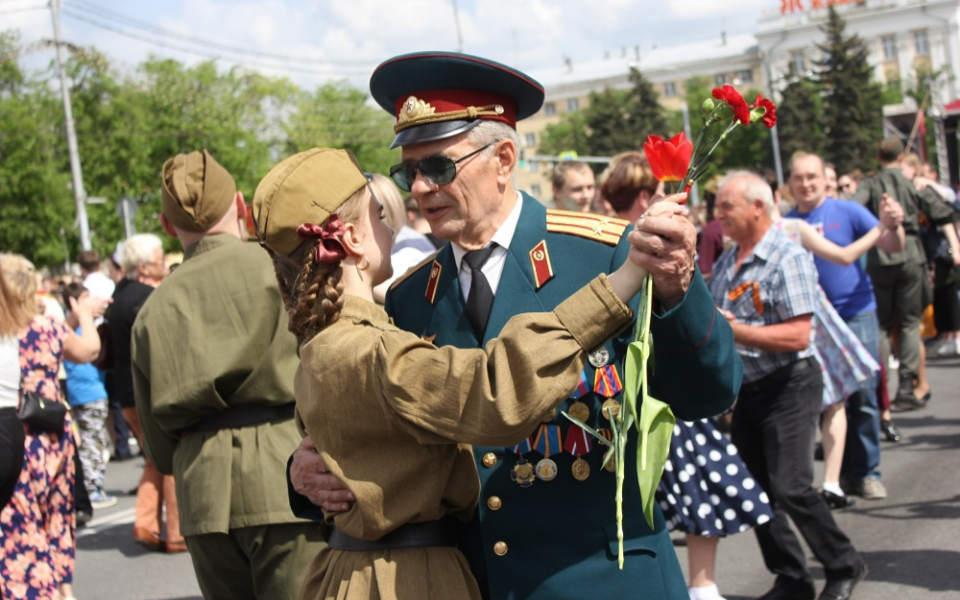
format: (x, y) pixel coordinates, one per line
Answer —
(411, 535)
(236, 417)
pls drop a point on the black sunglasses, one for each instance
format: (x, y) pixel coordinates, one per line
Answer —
(438, 170)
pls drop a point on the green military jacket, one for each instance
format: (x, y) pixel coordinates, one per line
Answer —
(214, 335)
(892, 181)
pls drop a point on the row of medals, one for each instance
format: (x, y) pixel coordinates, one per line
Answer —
(525, 473)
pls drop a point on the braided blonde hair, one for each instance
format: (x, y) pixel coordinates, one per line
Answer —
(312, 292)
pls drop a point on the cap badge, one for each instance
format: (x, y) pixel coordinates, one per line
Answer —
(413, 109)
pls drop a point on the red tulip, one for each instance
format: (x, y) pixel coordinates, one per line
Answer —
(669, 159)
(769, 111)
(741, 112)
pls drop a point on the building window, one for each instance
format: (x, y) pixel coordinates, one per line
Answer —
(889, 44)
(535, 190)
(745, 76)
(921, 45)
(798, 62)
(573, 105)
(530, 139)
(549, 109)
(720, 79)
(669, 89)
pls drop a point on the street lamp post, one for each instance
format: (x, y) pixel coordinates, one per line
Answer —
(79, 195)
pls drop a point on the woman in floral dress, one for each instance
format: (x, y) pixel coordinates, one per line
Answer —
(37, 527)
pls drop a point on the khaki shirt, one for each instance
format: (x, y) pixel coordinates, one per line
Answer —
(387, 409)
(892, 181)
(214, 335)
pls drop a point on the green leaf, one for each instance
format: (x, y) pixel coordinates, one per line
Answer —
(656, 430)
(588, 429)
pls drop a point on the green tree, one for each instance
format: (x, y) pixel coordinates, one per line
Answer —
(337, 115)
(852, 105)
(614, 121)
(798, 119)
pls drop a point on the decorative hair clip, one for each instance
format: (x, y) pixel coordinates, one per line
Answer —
(330, 250)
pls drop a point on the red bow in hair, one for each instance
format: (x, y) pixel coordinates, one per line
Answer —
(330, 250)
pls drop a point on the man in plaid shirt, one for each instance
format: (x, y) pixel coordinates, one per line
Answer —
(766, 287)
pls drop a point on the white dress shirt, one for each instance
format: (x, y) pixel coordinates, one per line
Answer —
(493, 268)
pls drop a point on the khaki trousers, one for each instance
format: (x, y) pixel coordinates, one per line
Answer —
(267, 562)
(155, 491)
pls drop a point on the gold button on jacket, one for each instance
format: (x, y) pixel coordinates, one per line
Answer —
(500, 548)
(489, 459)
(494, 503)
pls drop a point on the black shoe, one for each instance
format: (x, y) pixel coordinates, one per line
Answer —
(836, 501)
(83, 517)
(907, 403)
(842, 589)
(889, 431)
(790, 589)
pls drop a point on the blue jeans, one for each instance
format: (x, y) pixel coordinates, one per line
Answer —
(861, 459)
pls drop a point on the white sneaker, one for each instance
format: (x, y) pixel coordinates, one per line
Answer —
(948, 348)
(893, 364)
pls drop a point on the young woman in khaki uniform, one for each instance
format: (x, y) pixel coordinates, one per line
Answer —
(390, 413)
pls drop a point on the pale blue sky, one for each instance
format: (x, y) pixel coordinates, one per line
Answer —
(347, 38)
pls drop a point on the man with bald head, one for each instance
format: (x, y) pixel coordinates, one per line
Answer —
(850, 291)
(213, 368)
(765, 285)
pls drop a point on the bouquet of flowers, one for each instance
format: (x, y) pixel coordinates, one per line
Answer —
(679, 164)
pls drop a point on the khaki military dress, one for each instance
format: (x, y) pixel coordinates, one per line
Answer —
(391, 415)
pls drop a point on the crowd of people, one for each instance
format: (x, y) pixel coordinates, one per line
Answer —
(364, 400)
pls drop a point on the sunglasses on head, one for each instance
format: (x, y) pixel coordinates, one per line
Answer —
(438, 170)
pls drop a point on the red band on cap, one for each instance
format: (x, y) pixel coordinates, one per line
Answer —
(446, 101)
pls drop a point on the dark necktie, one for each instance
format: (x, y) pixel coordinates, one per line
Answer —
(480, 298)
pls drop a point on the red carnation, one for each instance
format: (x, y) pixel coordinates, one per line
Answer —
(741, 112)
(769, 111)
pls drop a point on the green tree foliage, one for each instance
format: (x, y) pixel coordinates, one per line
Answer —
(336, 115)
(852, 107)
(614, 121)
(129, 122)
(798, 118)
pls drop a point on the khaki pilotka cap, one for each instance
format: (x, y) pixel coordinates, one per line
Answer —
(305, 188)
(196, 191)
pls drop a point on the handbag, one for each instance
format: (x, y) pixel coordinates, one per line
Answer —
(104, 360)
(48, 415)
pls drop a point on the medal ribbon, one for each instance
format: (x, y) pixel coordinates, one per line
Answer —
(582, 387)
(521, 448)
(548, 439)
(607, 433)
(743, 288)
(578, 441)
(606, 381)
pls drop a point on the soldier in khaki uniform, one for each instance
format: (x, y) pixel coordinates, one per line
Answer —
(213, 367)
(387, 408)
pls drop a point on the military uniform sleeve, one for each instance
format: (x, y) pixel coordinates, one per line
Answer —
(932, 205)
(494, 396)
(696, 369)
(158, 445)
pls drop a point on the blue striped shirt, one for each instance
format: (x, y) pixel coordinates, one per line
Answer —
(775, 283)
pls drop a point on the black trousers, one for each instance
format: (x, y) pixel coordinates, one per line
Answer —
(11, 452)
(774, 427)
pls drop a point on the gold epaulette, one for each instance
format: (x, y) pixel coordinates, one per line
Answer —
(426, 261)
(594, 227)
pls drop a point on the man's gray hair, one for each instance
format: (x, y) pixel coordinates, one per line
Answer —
(755, 188)
(488, 132)
(138, 249)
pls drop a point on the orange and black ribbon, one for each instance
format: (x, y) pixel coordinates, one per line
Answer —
(742, 289)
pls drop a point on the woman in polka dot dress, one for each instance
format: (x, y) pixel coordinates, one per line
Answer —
(708, 493)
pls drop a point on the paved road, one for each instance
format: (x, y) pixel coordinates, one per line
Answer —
(911, 541)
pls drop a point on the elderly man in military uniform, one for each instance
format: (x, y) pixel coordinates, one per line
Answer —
(213, 367)
(546, 526)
